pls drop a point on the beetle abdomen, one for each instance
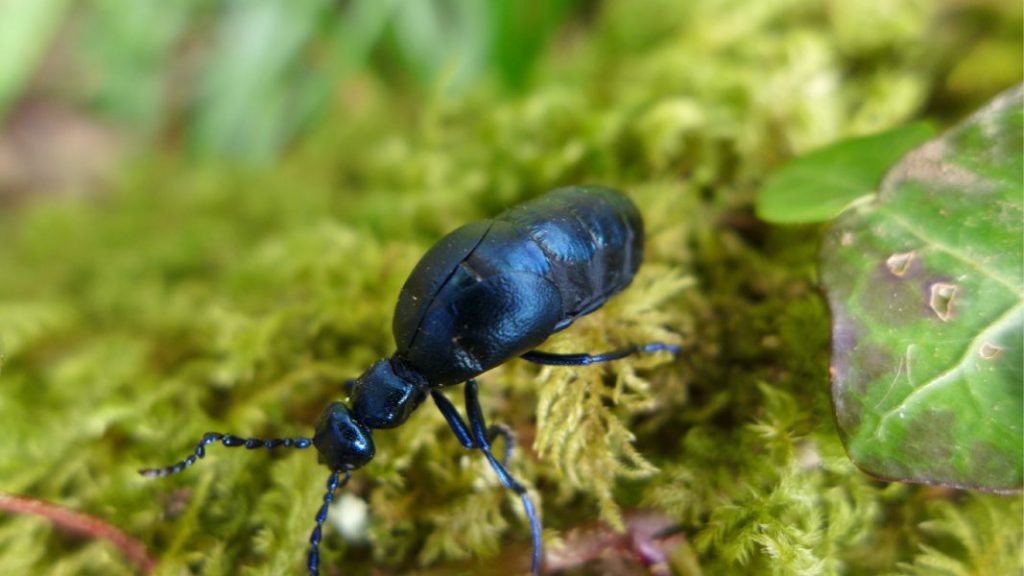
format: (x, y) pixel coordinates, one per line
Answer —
(593, 239)
(493, 290)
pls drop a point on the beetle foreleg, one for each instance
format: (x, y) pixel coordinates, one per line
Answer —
(451, 415)
(478, 436)
(506, 433)
(479, 428)
(550, 359)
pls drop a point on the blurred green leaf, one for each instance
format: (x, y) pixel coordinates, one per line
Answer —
(26, 29)
(926, 286)
(127, 51)
(521, 31)
(461, 40)
(819, 185)
(274, 66)
(358, 29)
(257, 87)
(443, 39)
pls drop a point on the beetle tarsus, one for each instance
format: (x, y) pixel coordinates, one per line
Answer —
(507, 434)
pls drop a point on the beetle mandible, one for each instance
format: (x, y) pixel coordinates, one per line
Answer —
(484, 294)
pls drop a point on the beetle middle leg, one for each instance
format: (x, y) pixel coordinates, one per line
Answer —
(550, 359)
(478, 436)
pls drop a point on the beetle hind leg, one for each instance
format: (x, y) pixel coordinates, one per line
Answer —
(549, 359)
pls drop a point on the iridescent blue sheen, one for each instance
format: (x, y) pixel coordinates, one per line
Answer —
(494, 290)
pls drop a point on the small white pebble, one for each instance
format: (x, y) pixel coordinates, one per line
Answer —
(350, 517)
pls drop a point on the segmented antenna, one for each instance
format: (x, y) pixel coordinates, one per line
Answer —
(230, 441)
(314, 539)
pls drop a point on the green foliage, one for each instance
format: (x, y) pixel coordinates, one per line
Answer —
(25, 30)
(243, 79)
(926, 288)
(591, 446)
(818, 186)
(982, 536)
(195, 296)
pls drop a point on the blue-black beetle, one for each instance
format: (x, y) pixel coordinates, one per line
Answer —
(486, 293)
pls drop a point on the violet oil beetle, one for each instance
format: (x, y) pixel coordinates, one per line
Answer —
(487, 292)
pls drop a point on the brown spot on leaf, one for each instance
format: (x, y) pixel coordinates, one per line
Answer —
(899, 263)
(989, 351)
(930, 163)
(941, 300)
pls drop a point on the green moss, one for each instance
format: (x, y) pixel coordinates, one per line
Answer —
(198, 297)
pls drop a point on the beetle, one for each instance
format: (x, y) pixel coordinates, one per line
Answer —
(487, 292)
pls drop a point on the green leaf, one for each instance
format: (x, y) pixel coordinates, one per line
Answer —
(131, 46)
(25, 32)
(444, 41)
(520, 32)
(818, 186)
(256, 88)
(925, 287)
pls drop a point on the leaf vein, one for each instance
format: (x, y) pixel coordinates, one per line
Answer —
(958, 368)
(938, 244)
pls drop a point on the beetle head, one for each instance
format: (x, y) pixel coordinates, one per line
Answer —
(343, 442)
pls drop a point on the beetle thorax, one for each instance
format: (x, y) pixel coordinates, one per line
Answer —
(382, 398)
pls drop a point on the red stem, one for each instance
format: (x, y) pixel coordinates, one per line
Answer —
(89, 526)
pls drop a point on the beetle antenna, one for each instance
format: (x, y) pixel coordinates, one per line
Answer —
(230, 441)
(313, 561)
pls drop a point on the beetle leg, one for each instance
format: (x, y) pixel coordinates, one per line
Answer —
(550, 359)
(451, 415)
(478, 436)
(479, 428)
(506, 433)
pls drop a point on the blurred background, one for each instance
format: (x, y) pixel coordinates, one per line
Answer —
(86, 85)
(207, 209)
